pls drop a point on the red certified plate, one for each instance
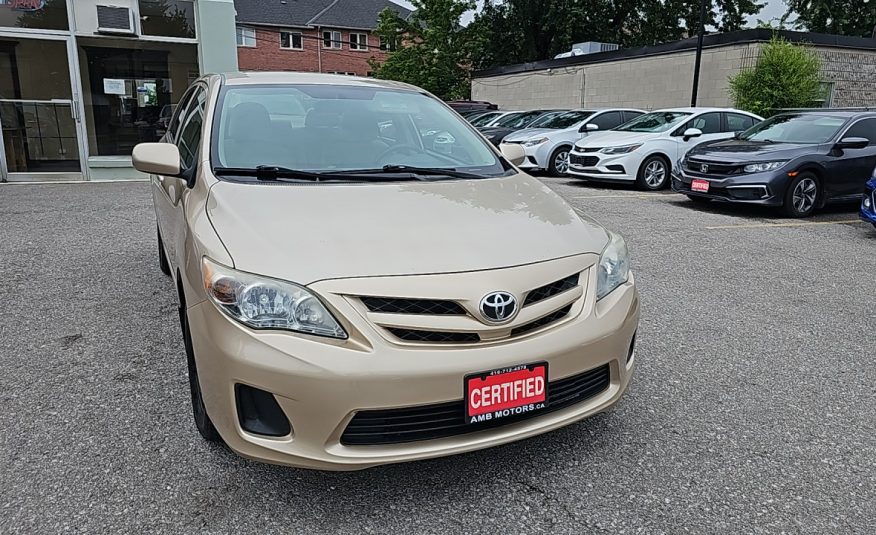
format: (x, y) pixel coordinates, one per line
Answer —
(700, 185)
(506, 392)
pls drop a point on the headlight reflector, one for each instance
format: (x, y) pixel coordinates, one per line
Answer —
(614, 266)
(265, 303)
(621, 150)
(761, 167)
(535, 141)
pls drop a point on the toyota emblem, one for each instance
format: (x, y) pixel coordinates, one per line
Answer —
(704, 168)
(498, 307)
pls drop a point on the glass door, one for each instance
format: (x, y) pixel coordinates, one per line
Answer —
(39, 125)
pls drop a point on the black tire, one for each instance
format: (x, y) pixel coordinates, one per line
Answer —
(654, 173)
(699, 200)
(802, 196)
(555, 168)
(199, 411)
(162, 258)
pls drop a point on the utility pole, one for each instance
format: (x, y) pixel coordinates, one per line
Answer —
(699, 59)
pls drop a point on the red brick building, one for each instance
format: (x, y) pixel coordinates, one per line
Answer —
(331, 36)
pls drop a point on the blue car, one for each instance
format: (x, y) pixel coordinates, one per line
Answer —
(868, 205)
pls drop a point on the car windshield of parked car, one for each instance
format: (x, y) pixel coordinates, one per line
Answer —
(332, 128)
(658, 121)
(795, 128)
(562, 120)
(485, 118)
(517, 120)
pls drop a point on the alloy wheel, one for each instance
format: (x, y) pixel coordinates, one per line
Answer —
(561, 162)
(655, 174)
(804, 195)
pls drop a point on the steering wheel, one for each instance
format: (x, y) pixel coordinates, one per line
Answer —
(403, 149)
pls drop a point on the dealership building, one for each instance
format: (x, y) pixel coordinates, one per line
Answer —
(661, 76)
(83, 81)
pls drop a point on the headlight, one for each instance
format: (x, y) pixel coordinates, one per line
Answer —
(535, 141)
(866, 202)
(264, 303)
(614, 266)
(620, 150)
(761, 167)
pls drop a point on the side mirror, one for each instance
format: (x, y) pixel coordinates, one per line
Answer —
(513, 152)
(738, 135)
(692, 132)
(852, 143)
(156, 159)
(590, 127)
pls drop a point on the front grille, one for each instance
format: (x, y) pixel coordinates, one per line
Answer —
(586, 161)
(695, 166)
(552, 289)
(542, 322)
(431, 307)
(441, 420)
(436, 337)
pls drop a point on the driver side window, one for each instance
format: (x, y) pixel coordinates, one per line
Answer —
(708, 123)
(190, 131)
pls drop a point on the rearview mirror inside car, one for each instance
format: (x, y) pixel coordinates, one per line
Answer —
(156, 159)
(692, 132)
(513, 152)
(853, 143)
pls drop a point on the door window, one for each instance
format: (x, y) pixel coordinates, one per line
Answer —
(607, 120)
(190, 133)
(708, 123)
(739, 123)
(865, 128)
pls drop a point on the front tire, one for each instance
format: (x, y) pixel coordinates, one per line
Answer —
(199, 410)
(558, 165)
(802, 196)
(653, 174)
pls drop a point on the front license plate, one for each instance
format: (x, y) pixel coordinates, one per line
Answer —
(505, 392)
(700, 185)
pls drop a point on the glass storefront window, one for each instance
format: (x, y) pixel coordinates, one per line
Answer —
(37, 14)
(130, 90)
(168, 18)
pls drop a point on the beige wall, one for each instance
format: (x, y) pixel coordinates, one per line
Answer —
(647, 82)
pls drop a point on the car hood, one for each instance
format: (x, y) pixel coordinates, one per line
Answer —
(737, 150)
(611, 138)
(307, 232)
(526, 133)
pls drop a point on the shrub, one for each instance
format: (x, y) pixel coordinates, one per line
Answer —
(786, 76)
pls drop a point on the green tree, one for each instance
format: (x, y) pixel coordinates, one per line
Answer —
(842, 17)
(786, 75)
(431, 50)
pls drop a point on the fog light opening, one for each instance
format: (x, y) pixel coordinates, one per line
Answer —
(632, 351)
(259, 413)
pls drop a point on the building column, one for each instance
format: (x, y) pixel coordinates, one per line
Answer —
(217, 37)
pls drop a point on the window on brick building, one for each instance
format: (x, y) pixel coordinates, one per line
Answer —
(291, 40)
(387, 46)
(358, 41)
(331, 39)
(246, 37)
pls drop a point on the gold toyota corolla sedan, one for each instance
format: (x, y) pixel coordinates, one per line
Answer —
(363, 279)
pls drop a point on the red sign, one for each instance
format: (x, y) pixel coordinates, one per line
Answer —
(700, 185)
(25, 5)
(508, 392)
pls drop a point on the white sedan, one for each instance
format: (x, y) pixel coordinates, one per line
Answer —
(644, 149)
(547, 141)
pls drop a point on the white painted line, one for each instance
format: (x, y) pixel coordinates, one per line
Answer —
(42, 182)
(785, 225)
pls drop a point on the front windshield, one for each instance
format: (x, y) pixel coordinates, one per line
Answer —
(562, 120)
(485, 118)
(795, 128)
(328, 128)
(517, 120)
(658, 121)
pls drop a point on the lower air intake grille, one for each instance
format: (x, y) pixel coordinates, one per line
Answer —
(432, 307)
(439, 337)
(441, 420)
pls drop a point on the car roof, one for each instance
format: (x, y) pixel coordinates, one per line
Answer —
(834, 113)
(282, 78)
(701, 109)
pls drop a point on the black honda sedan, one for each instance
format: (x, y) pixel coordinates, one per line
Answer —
(797, 161)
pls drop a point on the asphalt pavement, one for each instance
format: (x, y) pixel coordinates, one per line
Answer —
(753, 409)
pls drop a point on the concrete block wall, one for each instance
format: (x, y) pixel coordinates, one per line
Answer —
(853, 73)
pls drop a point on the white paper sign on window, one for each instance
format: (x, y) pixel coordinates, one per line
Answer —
(112, 86)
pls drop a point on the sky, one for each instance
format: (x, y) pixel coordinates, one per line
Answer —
(773, 9)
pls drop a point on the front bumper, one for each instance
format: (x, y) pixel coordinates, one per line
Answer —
(766, 189)
(868, 213)
(537, 156)
(320, 384)
(608, 167)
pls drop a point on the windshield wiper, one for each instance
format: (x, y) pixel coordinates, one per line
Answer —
(268, 173)
(411, 170)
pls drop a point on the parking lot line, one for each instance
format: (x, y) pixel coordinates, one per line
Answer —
(796, 224)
